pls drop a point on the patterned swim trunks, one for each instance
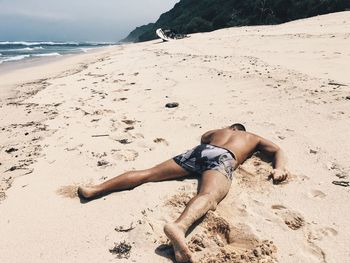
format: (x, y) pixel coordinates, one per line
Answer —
(207, 157)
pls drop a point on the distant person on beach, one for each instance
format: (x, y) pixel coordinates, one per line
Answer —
(215, 159)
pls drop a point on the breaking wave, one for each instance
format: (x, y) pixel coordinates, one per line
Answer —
(18, 50)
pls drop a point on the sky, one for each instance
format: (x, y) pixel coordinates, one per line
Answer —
(76, 20)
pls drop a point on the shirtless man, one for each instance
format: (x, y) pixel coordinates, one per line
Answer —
(215, 159)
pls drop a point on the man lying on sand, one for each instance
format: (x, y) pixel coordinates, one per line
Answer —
(215, 159)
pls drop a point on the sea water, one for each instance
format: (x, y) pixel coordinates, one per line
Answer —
(20, 50)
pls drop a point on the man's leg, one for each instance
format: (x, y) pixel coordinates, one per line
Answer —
(213, 189)
(164, 171)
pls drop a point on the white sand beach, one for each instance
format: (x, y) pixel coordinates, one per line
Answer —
(88, 117)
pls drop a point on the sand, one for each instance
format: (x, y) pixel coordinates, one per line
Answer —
(86, 118)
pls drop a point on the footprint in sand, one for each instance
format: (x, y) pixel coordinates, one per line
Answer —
(317, 194)
(128, 122)
(303, 177)
(313, 248)
(161, 140)
(218, 228)
(234, 243)
(292, 219)
(2, 196)
(122, 139)
(125, 155)
(215, 234)
(323, 232)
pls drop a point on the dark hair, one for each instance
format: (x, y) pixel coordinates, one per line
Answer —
(238, 126)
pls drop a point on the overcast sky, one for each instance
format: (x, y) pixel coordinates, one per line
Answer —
(79, 20)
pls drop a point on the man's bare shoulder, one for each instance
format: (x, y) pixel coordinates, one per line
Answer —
(248, 135)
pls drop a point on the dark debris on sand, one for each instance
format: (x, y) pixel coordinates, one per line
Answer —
(102, 163)
(121, 250)
(124, 141)
(128, 122)
(125, 229)
(342, 183)
(172, 105)
(10, 150)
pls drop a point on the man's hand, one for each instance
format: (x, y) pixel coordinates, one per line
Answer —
(279, 175)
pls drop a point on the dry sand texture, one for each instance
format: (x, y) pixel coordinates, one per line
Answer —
(89, 117)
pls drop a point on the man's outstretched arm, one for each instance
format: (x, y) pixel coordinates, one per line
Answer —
(279, 173)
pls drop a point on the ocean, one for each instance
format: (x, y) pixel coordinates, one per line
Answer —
(21, 50)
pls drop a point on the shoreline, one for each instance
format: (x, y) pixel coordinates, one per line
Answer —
(17, 57)
(36, 68)
(272, 79)
(7, 67)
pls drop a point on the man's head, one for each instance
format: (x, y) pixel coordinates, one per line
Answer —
(237, 127)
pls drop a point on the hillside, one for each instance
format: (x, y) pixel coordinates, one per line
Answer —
(189, 16)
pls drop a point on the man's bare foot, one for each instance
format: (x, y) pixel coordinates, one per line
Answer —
(177, 238)
(87, 192)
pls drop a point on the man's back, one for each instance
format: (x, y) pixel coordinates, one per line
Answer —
(241, 143)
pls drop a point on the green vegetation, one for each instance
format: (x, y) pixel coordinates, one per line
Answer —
(190, 16)
(138, 31)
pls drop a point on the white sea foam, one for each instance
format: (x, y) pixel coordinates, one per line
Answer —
(24, 43)
(30, 48)
(15, 58)
(85, 49)
(23, 49)
(18, 50)
(47, 55)
(99, 43)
